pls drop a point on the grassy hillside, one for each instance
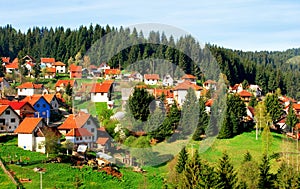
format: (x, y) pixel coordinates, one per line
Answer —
(294, 60)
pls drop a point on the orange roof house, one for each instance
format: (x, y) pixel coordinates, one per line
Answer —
(112, 71)
(79, 132)
(75, 71)
(245, 95)
(29, 88)
(5, 60)
(48, 60)
(180, 91)
(101, 92)
(28, 125)
(151, 76)
(62, 84)
(186, 85)
(30, 85)
(59, 64)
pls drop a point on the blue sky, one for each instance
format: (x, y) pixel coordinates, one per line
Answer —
(237, 24)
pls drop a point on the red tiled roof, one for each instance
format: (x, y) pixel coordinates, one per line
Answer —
(102, 141)
(78, 132)
(28, 125)
(47, 97)
(50, 70)
(245, 93)
(64, 83)
(101, 87)
(209, 102)
(210, 82)
(48, 60)
(296, 106)
(4, 101)
(186, 85)
(33, 99)
(112, 71)
(101, 129)
(151, 76)
(16, 60)
(167, 92)
(13, 65)
(75, 121)
(5, 59)
(58, 64)
(3, 108)
(74, 68)
(188, 76)
(17, 105)
(30, 85)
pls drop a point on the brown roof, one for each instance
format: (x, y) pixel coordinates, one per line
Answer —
(75, 121)
(102, 141)
(48, 60)
(78, 132)
(28, 125)
(64, 83)
(58, 64)
(30, 85)
(101, 87)
(245, 93)
(186, 85)
(112, 71)
(151, 76)
(188, 76)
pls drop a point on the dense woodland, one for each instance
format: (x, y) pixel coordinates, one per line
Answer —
(270, 70)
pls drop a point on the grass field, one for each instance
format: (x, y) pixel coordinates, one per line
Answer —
(5, 181)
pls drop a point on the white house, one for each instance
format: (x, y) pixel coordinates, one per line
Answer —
(189, 77)
(151, 79)
(180, 91)
(9, 119)
(26, 131)
(135, 76)
(80, 120)
(168, 80)
(29, 89)
(101, 92)
(103, 66)
(210, 84)
(14, 66)
(80, 136)
(60, 67)
(47, 62)
(236, 88)
(62, 84)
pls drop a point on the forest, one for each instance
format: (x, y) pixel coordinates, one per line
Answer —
(270, 70)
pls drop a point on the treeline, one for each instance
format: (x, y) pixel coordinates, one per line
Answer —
(191, 171)
(122, 47)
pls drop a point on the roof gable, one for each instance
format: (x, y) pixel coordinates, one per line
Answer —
(75, 121)
(28, 125)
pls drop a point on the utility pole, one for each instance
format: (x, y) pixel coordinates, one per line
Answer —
(41, 180)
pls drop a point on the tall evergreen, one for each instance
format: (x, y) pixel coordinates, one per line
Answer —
(291, 118)
(265, 177)
(273, 107)
(182, 159)
(191, 174)
(203, 120)
(226, 128)
(226, 175)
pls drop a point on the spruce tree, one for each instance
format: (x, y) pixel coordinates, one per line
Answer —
(273, 107)
(191, 174)
(291, 118)
(265, 177)
(182, 159)
(286, 177)
(226, 129)
(226, 175)
(203, 121)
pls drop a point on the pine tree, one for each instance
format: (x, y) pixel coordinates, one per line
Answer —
(191, 174)
(226, 129)
(182, 159)
(265, 177)
(226, 175)
(273, 107)
(139, 103)
(203, 121)
(286, 177)
(291, 118)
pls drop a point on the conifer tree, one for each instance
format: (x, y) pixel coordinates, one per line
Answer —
(273, 107)
(286, 177)
(226, 129)
(291, 118)
(191, 174)
(203, 121)
(265, 177)
(226, 175)
(182, 159)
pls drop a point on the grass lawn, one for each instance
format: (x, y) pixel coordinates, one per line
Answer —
(63, 175)
(5, 181)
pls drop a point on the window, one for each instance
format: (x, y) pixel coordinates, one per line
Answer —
(92, 130)
(38, 105)
(44, 105)
(43, 113)
(102, 94)
(9, 127)
(7, 112)
(88, 122)
(13, 120)
(1, 128)
(2, 121)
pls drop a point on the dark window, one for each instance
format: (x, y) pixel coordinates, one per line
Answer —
(92, 130)
(88, 122)
(102, 94)
(44, 105)
(12, 120)
(7, 112)
(2, 121)
(2, 128)
(38, 105)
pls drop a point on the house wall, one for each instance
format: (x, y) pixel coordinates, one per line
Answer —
(179, 96)
(54, 104)
(43, 108)
(25, 92)
(80, 140)
(91, 126)
(150, 81)
(40, 144)
(4, 84)
(60, 69)
(26, 109)
(9, 125)
(25, 141)
(99, 97)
